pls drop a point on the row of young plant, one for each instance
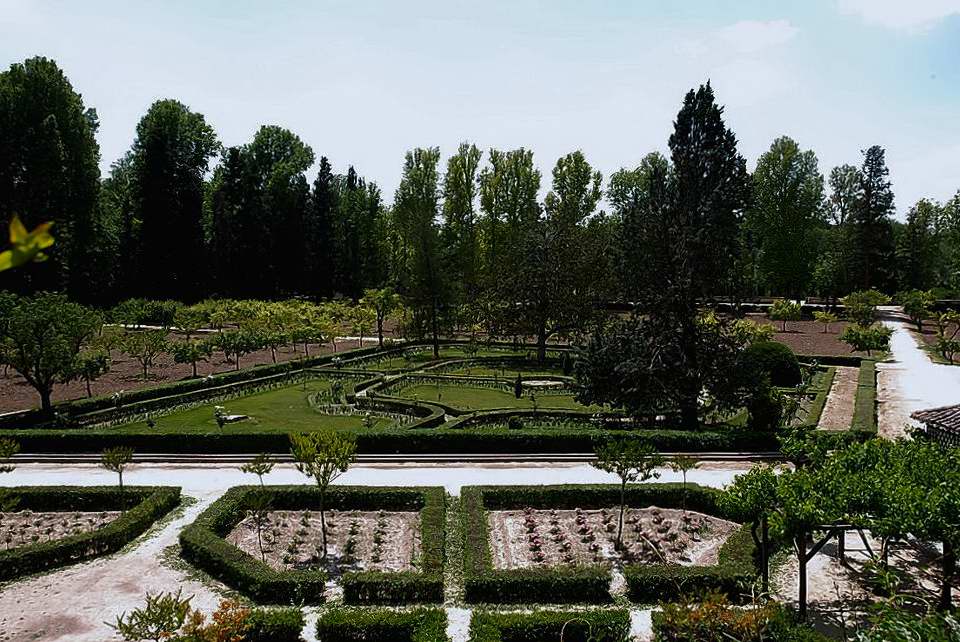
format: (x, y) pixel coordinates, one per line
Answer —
(920, 306)
(859, 308)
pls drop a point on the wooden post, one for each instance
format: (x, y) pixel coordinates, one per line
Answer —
(949, 568)
(764, 561)
(801, 543)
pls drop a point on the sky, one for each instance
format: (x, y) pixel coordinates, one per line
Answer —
(362, 82)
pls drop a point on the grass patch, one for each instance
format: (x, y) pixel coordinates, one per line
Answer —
(484, 398)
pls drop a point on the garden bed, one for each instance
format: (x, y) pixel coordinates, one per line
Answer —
(532, 538)
(58, 544)
(356, 540)
(417, 576)
(725, 563)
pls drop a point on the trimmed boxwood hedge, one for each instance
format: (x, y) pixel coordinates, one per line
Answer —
(381, 625)
(569, 626)
(274, 625)
(203, 544)
(146, 504)
(735, 569)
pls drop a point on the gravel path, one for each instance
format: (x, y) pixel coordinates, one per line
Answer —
(910, 381)
(838, 411)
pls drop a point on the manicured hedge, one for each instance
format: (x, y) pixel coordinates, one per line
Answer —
(865, 405)
(146, 505)
(568, 626)
(381, 625)
(732, 574)
(275, 625)
(204, 545)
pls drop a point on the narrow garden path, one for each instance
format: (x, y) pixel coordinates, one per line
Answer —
(910, 381)
(838, 411)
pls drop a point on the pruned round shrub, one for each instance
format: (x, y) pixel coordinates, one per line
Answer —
(515, 423)
(774, 359)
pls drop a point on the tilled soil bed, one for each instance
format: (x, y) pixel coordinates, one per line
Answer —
(356, 540)
(21, 528)
(530, 538)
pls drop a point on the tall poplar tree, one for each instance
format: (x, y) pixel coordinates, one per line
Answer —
(170, 158)
(459, 227)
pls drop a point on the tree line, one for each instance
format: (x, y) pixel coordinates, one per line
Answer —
(181, 216)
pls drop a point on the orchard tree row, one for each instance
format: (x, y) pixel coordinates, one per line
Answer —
(180, 216)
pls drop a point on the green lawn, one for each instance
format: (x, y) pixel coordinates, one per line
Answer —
(508, 372)
(482, 398)
(420, 358)
(282, 410)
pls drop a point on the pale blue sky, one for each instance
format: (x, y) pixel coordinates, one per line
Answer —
(362, 82)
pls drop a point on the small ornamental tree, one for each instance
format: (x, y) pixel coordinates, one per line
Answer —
(237, 344)
(89, 367)
(258, 510)
(383, 301)
(783, 311)
(260, 465)
(869, 339)
(917, 305)
(189, 319)
(362, 319)
(683, 464)
(752, 498)
(518, 387)
(948, 335)
(824, 318)
(42, 338)
(631, 460)
(145, 346)
(116, 460)
(861, 307)
(323, 456)
(192, 351)
(160, 618)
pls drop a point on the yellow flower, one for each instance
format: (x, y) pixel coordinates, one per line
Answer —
(26, 246)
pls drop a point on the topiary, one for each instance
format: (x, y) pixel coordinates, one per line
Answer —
(774, 359)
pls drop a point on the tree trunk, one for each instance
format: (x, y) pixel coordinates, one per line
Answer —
(379, 331)
(949, 569)
(323, 523)
(123, 504)
(436, 333)
(263, 558)
(89, 391)
(273, 354)
(45, 403)
(542, 344)
(194, 369)
(237, 363)
(623, 502)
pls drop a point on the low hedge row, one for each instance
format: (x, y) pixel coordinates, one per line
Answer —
(380, 625)
(146, 505)
(865, 404)
(568, 626)
(735, 569)
(275, 625)
(203, 544)
(417, 437)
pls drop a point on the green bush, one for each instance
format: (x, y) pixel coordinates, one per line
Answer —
(774, 359)
(569, 626)
(366, 625)
(203, 544)
(152, 503)
(713, 618)
(274, 625)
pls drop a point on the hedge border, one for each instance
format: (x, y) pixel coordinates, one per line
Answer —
(382, 625)
(284, 624)
(865, 403)
(736, 567)
(609, 625)
(203, 545)
(153, 503)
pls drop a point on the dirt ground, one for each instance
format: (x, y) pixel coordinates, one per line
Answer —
(808, 337)
(356, 541)
(528, 537)
(838, 411)
(839, 595)
(19, 528)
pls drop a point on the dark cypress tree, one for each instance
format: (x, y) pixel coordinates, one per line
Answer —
(170, 158)
(871, 224)
(49, 172)
(320, 248)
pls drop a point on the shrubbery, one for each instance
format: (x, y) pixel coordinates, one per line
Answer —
(568, 626)
(714, 619)
(776, 360)
(366, 625)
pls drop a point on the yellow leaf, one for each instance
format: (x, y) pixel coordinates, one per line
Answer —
(27, 246)
(18, 233)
